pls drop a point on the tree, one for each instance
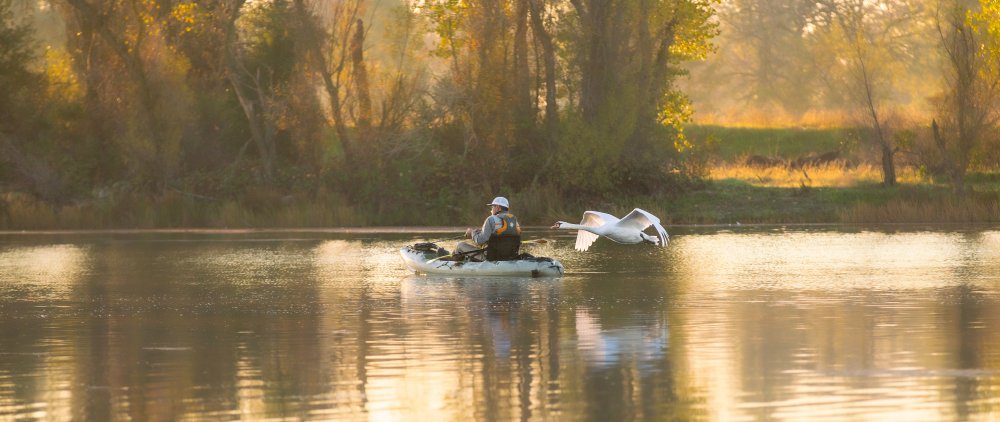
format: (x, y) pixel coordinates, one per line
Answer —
(261, 62)
(16, 53)
(768, 47)
(370, 90)
(135, 84)
(328, 42)
(543, 36)
(627, 54)
(400, 87)
(23, 107)
(482, 93)
(204, 34)
(871, 42)
(968, 107)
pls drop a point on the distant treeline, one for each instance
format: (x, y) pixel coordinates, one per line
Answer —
(388, 104)
(381, 108)
(920, 79)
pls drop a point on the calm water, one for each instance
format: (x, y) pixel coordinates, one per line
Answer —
(744, 324)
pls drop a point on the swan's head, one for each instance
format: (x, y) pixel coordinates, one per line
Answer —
(558, 225)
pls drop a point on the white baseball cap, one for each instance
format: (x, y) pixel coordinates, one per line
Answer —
(501, 201)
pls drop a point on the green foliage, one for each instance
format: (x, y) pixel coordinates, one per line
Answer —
(587, 157)
(266, 29)
(447, 18)
(696, 160)
(986, 21)
(136, 121)
(695, 30)
(904, 139)
(150, 109)
(19, 84)
(969, 104)
(629, 124)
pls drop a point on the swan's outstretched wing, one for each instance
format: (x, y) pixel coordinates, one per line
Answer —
(641, 219)
(594, 219)
(597, 219)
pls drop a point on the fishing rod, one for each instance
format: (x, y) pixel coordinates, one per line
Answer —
(447, 238)
(461, 254)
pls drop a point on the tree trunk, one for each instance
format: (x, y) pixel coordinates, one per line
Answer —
(655, 56)
(595, 72)
(331, 86)
(129, 54)
(261, 130)
(957, 181)
(971, 91)
(361, 89)
(542, 36)
(888, 166)
(523, 113)
(549, 54)
(870, 99)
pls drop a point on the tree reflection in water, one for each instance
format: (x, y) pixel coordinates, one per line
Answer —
(721, 325)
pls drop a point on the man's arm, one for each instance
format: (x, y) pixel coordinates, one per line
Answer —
(482, 235)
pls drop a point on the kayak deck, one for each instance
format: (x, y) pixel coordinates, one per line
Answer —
(423, 262)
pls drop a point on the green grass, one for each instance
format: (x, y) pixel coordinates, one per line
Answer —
(733, 201)
(736, 142)
(830, 194)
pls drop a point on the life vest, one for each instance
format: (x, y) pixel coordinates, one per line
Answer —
(508, 225)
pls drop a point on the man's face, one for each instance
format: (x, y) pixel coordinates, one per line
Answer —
(495, 209)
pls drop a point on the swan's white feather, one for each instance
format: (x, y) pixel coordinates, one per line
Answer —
(638, 219)
(597, 218)
(593, 219)
(627, 230)
(641, 219)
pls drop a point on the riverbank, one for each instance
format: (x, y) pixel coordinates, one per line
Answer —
(757, 177)
(733, 201)
(748, 200)
(836, 193)
(844, 191)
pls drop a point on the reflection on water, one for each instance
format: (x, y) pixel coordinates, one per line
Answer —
(722, 325)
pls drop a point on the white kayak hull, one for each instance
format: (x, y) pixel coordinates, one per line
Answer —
(424, 263)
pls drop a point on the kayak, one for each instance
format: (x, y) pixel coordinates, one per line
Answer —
(422, 259)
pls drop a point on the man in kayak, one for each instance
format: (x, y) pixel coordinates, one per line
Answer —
(500, 223)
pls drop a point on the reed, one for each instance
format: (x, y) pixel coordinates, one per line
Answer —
(734, 193)
(947, 209)
(544, 205)
(173, 210)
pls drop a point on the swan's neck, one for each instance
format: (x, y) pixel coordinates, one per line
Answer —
(568, 226)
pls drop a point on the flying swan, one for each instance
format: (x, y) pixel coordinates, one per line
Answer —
(627, 230)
